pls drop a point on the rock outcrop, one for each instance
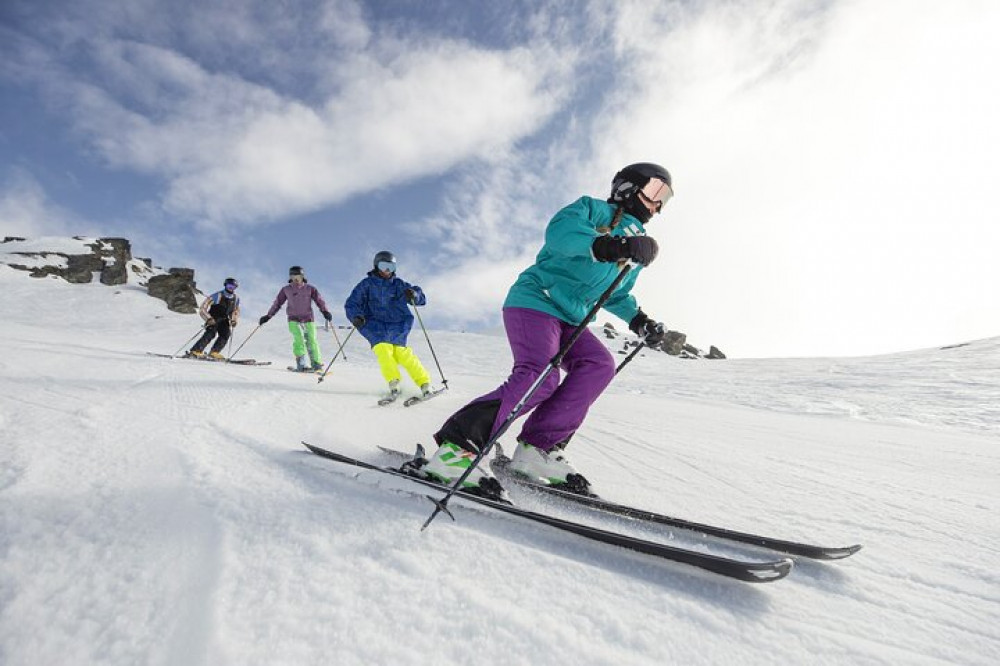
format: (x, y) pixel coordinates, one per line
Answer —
(177, 289)
(674, 344)
(108, 258)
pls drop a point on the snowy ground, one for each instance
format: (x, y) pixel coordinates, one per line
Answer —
(157, 511)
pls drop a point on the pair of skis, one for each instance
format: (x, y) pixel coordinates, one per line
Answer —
(409, 402)
(750, 571)
(235, 361)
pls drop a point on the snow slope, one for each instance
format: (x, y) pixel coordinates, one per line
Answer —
(161, 511)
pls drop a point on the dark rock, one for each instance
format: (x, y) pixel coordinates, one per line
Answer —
(82, 267)
(673, 344)
(115, 258)
(176, 289)
(609, 331)
(8, 239)
(715, 353)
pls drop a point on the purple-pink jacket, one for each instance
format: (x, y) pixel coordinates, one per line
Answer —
(300, 298)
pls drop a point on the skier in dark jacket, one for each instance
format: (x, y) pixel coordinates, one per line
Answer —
(300, 296)
(378, 307)
(221, 312)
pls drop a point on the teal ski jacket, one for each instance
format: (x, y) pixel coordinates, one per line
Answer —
(566, 280)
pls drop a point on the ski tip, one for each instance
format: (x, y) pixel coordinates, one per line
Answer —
(770, 571)
(838, 553)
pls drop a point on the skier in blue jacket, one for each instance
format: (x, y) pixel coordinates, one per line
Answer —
(586, 245)
(379, 308)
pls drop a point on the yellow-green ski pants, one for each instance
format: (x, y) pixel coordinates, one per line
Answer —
(390, 357)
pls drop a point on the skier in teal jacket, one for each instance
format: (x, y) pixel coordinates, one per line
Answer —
(586, 245)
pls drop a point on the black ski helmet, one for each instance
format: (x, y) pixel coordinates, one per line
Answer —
(627, 183)
(384, 255)
(296, 270)
(230, 281)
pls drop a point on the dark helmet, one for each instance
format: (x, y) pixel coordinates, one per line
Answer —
(230, 281)
(296, 270)
(628, 182)
(384, 255)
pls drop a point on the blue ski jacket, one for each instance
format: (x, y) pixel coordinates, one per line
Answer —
(382, 303)
(566, 279)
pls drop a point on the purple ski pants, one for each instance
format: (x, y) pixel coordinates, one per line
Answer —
(557, 408)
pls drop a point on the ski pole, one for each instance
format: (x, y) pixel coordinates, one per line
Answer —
(244, 342)
(442, 504)
(420, 319)
(337, 338)
(188, 342)
(328, 365)
(638, 348)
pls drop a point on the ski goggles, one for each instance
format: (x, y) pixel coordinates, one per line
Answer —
(387, 266)
(658, 192)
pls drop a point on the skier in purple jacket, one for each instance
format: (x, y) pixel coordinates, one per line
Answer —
(300, 296)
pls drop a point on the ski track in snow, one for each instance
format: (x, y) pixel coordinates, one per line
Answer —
(162, 511)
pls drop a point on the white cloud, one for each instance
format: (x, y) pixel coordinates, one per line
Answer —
(26, 211)
(833, 171)
(235, 146)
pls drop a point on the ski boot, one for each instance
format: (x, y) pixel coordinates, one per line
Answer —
(317, 366)
(195, 353)
(392, 395)
(301, 364)
(547, 468)
(216, 356)
(450, 461)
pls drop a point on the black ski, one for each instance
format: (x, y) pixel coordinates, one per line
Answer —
(499, 466)
(409, 402)
(235, 361)
(755, 572)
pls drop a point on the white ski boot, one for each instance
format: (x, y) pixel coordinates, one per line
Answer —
(547, 468)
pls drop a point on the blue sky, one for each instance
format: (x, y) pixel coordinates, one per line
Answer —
(834, 162)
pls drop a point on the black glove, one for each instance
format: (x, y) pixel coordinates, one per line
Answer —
(640, 249)
(209, 322)
(359, 321)
(411, 296)
(263, 320)
(232, 323)
(654, 331)
(327, 316)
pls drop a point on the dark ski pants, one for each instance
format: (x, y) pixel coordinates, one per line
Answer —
(557, 409)
(223, 329)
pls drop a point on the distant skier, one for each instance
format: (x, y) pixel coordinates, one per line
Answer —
(586, 245)
(221, 313)
(378, 307)
(300, 296)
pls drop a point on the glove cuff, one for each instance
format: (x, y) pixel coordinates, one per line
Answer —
(638, 323)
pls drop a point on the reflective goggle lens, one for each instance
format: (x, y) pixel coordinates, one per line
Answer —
(387, 266)
(657, 191)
